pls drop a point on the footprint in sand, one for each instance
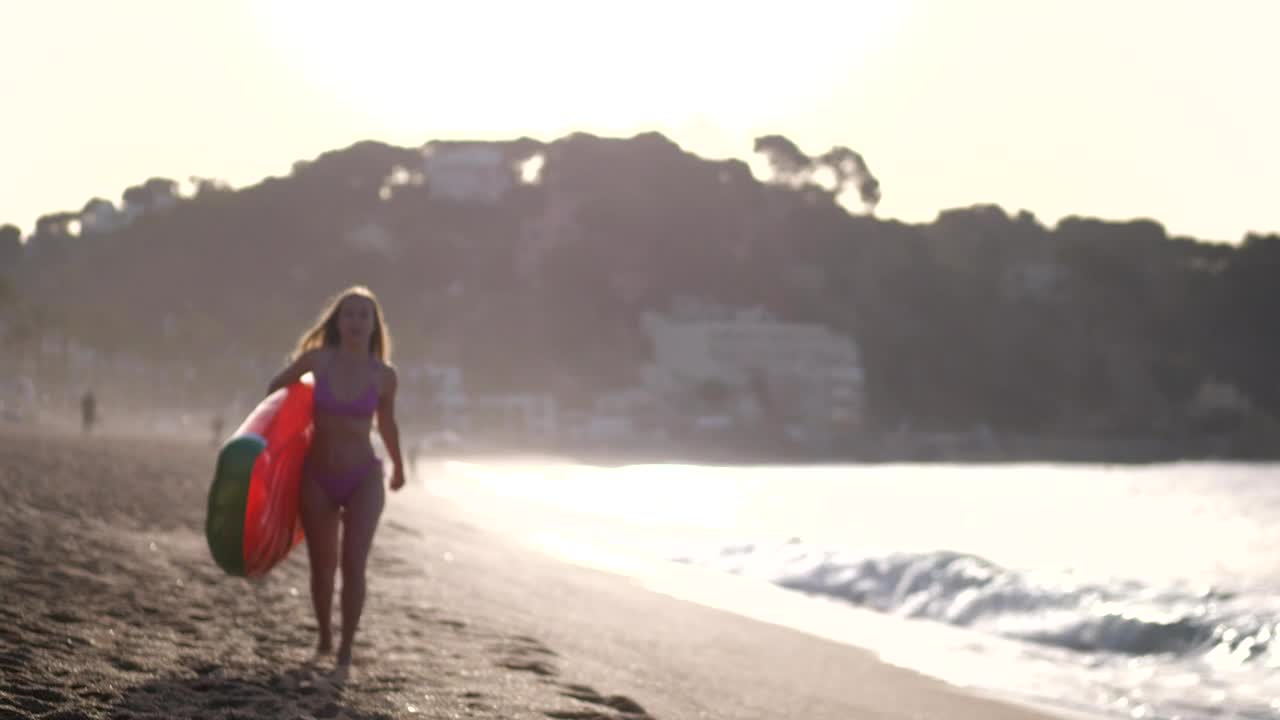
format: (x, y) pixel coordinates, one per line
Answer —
(35, 707)
(124, 664)
(625, 705)
(205, 669)
(531, 646)
(224, 703)
(65, 618)
(527, 655)
(14, 660)
(204, 686)
(475, 701)
(536, 667)
(35, 700)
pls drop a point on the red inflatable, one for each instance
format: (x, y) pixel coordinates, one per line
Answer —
(252, 521)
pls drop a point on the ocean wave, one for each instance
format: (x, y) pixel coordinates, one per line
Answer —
(1118, 616)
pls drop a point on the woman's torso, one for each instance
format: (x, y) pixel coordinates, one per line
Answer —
(346, 398)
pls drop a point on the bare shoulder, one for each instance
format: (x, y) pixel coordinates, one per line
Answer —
(387, 378)
(313, 358)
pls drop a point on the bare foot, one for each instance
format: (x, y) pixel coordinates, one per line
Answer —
(344, 657)
(326, 645)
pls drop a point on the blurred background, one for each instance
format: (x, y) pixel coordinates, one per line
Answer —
(954, 312)
(874, 231)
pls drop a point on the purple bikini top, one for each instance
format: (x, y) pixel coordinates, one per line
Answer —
(362, 406)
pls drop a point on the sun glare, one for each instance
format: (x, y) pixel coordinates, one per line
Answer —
(499, 69)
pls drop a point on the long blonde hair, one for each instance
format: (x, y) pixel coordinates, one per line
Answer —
(325, 331)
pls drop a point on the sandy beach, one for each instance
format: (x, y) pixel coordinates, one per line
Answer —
(110, 607)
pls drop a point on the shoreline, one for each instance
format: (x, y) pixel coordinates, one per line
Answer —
(873, 449)
(615, 459)
(114, 608)
(890, 447)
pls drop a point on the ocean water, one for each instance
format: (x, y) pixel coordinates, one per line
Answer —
(1118, 591)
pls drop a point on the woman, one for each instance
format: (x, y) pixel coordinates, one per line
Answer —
(347, 352)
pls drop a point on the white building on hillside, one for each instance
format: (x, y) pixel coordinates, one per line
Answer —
(795, 372)
(468, 172)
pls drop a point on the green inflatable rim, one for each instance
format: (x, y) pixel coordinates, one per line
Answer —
(228, 498)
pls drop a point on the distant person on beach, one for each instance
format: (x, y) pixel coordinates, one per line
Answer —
(415, 449)
(88, 411)
(216, 426)
(347, 351)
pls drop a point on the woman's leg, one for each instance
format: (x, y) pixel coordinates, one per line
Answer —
(320, 523)
(359, 521)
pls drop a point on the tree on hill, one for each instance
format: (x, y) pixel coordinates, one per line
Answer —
(979, 317)
(845, 169)
(60, 224)
(1246, 330)
(10, 247)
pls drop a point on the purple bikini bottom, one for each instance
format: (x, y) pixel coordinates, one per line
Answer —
(341, 486)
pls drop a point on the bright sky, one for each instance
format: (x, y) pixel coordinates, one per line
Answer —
(1167, 109)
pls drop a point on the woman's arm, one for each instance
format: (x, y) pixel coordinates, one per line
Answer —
(387, 427)
(304, 364)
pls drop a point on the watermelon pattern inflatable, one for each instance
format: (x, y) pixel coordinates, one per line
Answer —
(252, 520)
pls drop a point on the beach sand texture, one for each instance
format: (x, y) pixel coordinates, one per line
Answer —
(111, 607)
